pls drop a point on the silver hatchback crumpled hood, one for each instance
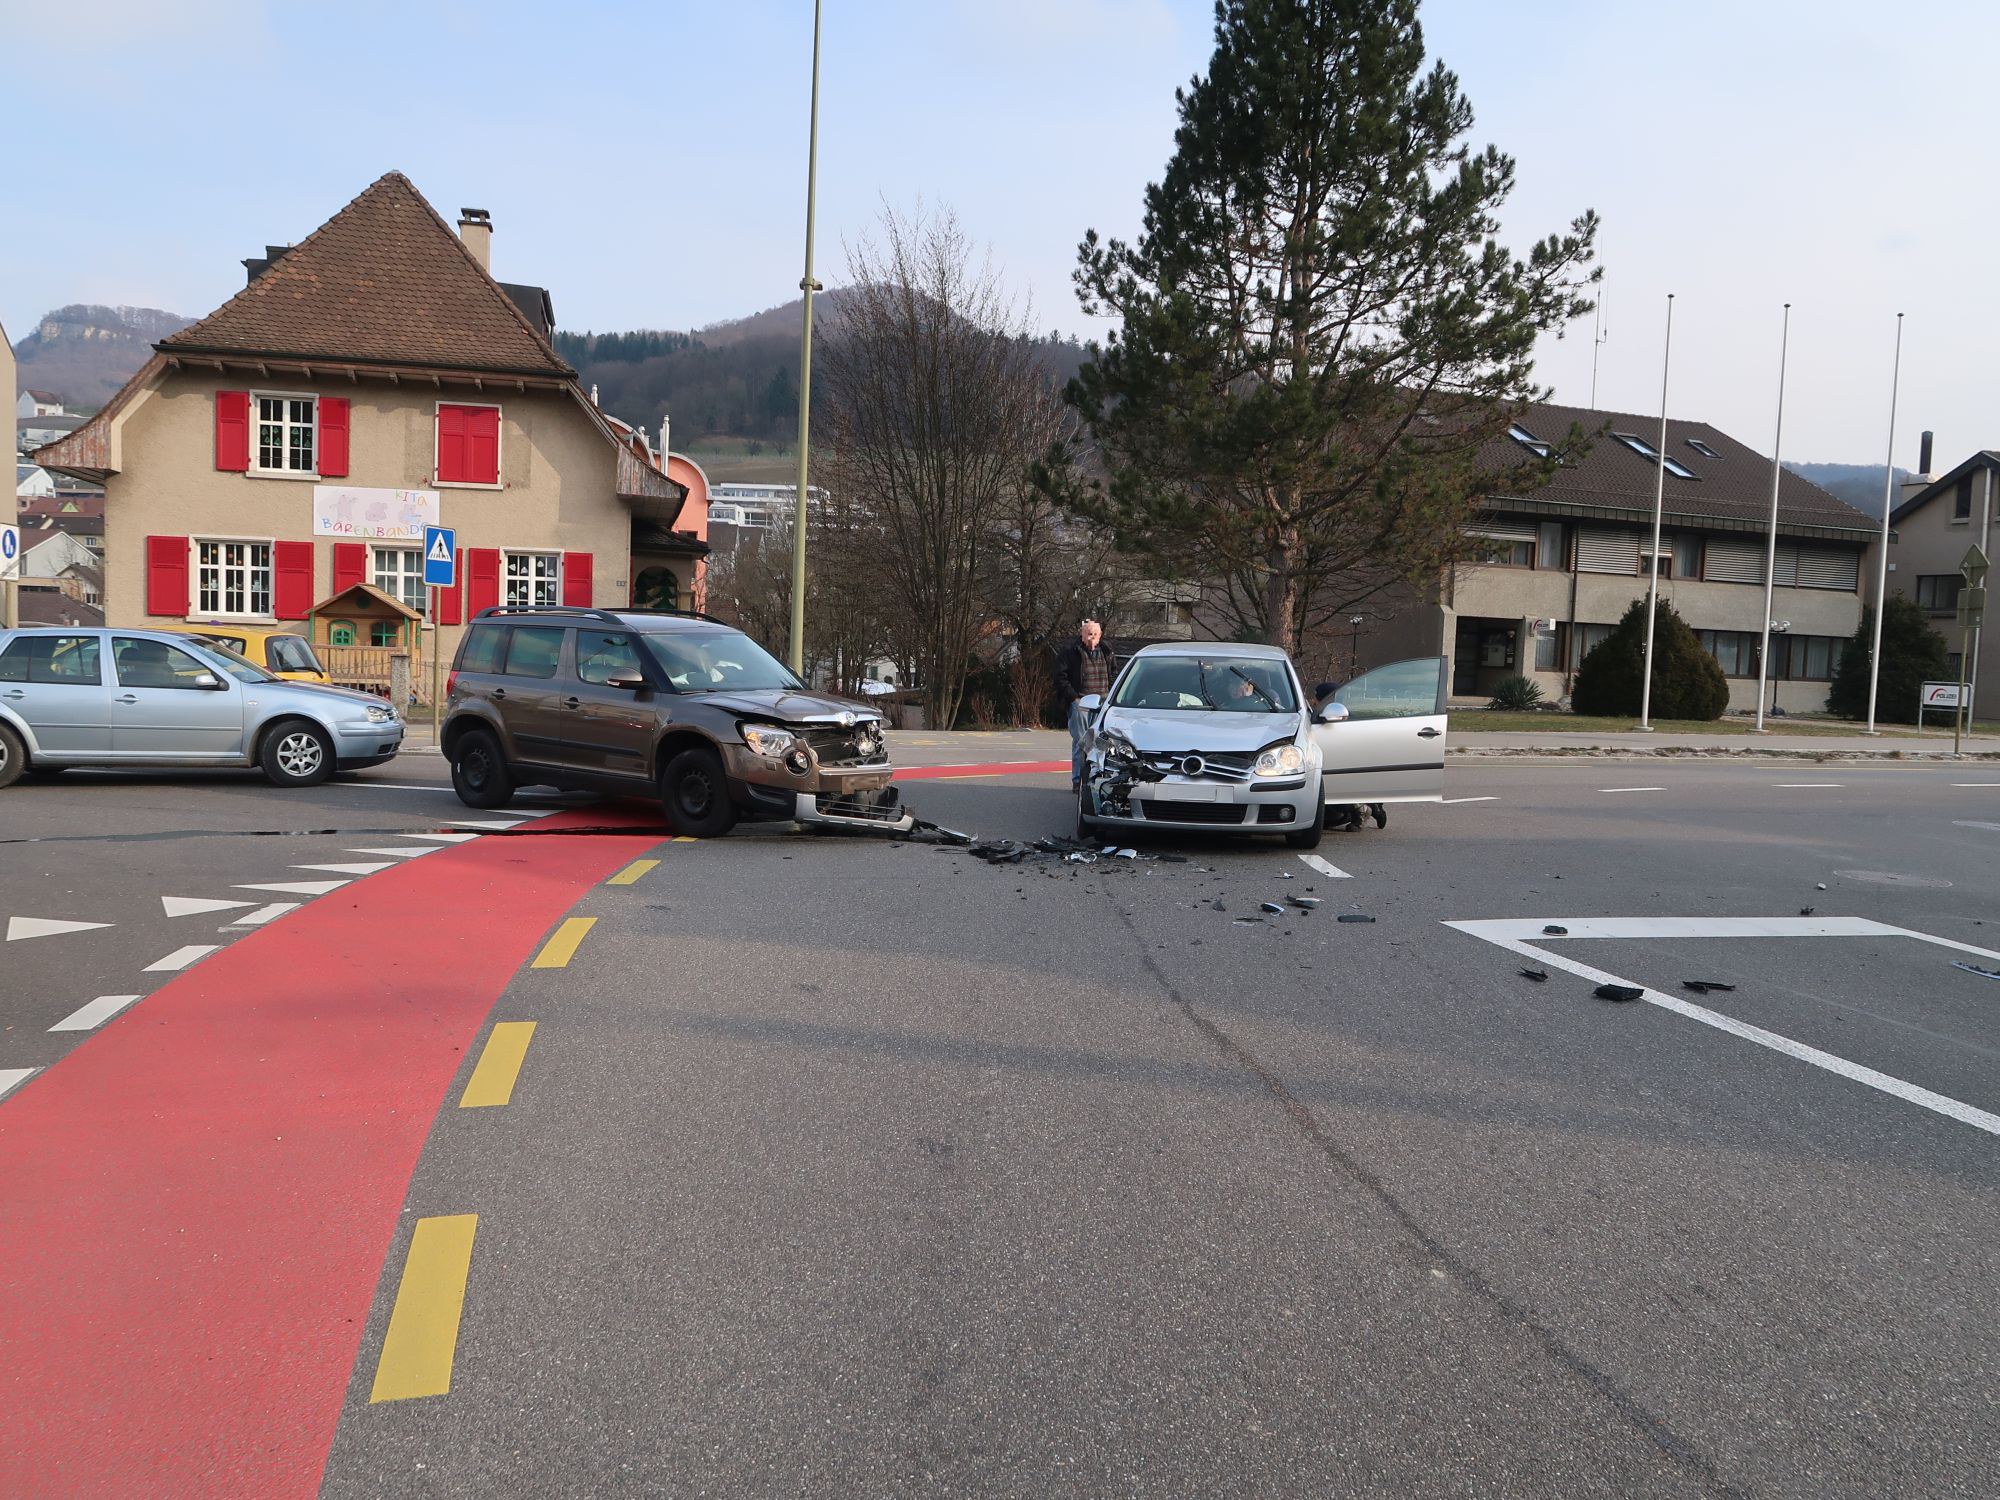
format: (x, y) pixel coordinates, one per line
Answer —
(1152, 730)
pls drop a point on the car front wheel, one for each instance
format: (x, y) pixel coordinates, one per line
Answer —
(13, 756)
(695, 793)
(479, 772)
(1084, 830)
(296, 753)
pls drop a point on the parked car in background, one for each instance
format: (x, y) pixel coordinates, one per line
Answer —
(282, 653)
(661, 703)
(71, 697)
(1206, 736)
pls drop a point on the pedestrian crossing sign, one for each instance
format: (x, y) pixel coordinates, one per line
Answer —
(440, 556)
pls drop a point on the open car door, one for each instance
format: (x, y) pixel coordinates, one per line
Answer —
(1390, 747)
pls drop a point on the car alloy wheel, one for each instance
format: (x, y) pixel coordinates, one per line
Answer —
(300, 754)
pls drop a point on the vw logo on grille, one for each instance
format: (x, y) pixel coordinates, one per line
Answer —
(1194, 765)
(845, 719)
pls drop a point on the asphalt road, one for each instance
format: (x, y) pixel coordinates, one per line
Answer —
(838, 1166)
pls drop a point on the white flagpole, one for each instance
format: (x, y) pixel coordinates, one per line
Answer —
(1659, 503)
(1882, 563)
(1771, 543)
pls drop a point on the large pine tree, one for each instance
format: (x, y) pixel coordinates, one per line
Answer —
(1319, 333)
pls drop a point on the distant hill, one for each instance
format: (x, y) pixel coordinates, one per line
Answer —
(1860, 485)
(84, 352)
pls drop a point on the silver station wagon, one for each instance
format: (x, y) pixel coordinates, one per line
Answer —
(129, 698)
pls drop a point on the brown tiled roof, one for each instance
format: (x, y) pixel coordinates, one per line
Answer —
(384, 281)
(1732, 487)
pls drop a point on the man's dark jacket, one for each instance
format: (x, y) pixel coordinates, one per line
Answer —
(1069, 669)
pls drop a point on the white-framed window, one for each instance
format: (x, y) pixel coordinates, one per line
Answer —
(232, 577)
(531, 578)
(287, 433)
(399, 573)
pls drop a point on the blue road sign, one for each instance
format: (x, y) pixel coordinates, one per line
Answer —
(440, 556)
(10, 550)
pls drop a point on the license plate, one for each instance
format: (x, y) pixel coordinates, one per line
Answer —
(1166, 792)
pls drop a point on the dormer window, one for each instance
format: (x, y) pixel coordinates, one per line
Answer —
(1529, 441)
(1702, 448)
(1647, 451)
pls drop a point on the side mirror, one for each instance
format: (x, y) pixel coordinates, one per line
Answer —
(1332, 713)
(1090, 703)
(208, 681)
(630, 681)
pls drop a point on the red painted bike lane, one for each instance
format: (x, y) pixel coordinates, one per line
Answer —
(196, 1203)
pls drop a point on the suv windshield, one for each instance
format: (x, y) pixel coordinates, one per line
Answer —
(1234, 684)
(717, 661)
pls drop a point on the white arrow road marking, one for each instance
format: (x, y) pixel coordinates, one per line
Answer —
(262, 915)
(296, 887)
(1331, 872)
(387, 864)
(12, 1078)
(95, 1014)
(34, 927)
(474, 823)
(189, 906)
(442, 838)
(404, 853)
(180, 958)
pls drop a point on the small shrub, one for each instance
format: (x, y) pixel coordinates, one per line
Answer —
(980, 710)
(1517, 694)
(1913, 653)
(1687, 681)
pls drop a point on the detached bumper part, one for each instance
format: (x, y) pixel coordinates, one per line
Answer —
(879, 809)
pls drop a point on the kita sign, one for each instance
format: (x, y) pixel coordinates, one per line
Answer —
(373, 515)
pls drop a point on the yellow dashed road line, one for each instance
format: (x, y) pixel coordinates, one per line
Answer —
(560, 949)
(423, 1327)
(499, 1065)
(631, 873)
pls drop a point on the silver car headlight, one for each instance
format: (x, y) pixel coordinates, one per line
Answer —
(1116, 746)
(381, 713)
(769, 742)
(1281, 760)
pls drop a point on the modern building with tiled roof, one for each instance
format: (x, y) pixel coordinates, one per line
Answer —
(1566, 558)
(1938, 521)
(369, 380)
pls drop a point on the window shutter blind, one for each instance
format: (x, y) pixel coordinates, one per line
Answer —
(1829, 568)
(291, 580)
(576, 569)
(167, 576)
(482, 579)
(482, 445)
(450, 601)
(1733, 560)
(333, 437)
(1602, 550)
(451, 445)
(350, 565)
(232, 432)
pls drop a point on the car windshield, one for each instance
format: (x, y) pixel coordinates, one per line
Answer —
(237, 666)
(716, 661)
(1232, 684)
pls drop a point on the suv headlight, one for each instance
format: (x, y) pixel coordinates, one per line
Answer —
(868, 738)
(381, 713)
(769, 742)
(1281, 760)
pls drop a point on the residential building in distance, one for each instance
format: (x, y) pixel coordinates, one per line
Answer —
(758, 507)
(1564, 560)
(1931, 531)
(368, 381)
(38, 404)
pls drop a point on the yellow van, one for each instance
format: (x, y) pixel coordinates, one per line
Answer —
(284, 653)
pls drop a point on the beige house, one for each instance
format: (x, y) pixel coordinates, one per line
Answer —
(1566, 560)
(368, 381)
(1931, 531)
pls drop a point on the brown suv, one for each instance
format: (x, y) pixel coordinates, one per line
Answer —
(658, 702)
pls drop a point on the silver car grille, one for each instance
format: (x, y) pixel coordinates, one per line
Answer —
(1227, 766)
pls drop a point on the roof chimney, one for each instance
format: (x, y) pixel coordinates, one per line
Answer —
(475, 227)
(1924, 455)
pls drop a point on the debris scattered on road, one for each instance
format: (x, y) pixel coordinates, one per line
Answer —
(1806, 911)
(1554, 931)
(1355, 916)
(1128, 854)
(1271, 906)
(1538, 975)
(1617, 992)
(927, 832)
(1217, 904)
(1704, 986)
(1304, 903)
(1821, 886)
(1249, 921)
(1975, 969)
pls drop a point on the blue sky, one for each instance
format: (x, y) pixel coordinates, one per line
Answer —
(646, 162)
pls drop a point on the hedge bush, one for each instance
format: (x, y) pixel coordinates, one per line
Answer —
(1687, 681)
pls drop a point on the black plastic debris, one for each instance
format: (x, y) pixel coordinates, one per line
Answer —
(930, 832)
(1355, 916)
(1217, 904)
(1304, 903)
(1975, 969)
(1249, 921)
(1271, 906)
(1171, 859)
(1806, 911)
(1617, 992)
(1705, 986)
(1538, 975)
(1554, 931)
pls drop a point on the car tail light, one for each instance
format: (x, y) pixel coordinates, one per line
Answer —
(451, 684)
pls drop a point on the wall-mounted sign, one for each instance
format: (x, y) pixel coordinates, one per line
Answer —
(373, 515)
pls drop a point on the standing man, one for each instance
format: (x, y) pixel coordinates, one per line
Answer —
(1083, 667)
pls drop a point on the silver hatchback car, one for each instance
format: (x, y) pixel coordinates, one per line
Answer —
(76, 697)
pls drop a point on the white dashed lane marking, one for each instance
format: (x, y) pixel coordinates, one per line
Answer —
(180, 958)
(354, 869)
(401, 853)
(1809, 786)
(296, 887)
(13, 1078)
(1631, 789)
(443, 838)
(193, 906)
(93, 1015)
(1331, 872)
(262, 915)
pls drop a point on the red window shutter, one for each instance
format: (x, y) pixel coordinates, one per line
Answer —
(449, 601)
(232, 432)
(451, 445)
(291, 580)
(350, 565)
(576, 579)
(482, 444)
(482, 579)
(333, 437)
(167, 576)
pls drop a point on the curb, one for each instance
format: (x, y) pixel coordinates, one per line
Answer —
(1702, 752)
